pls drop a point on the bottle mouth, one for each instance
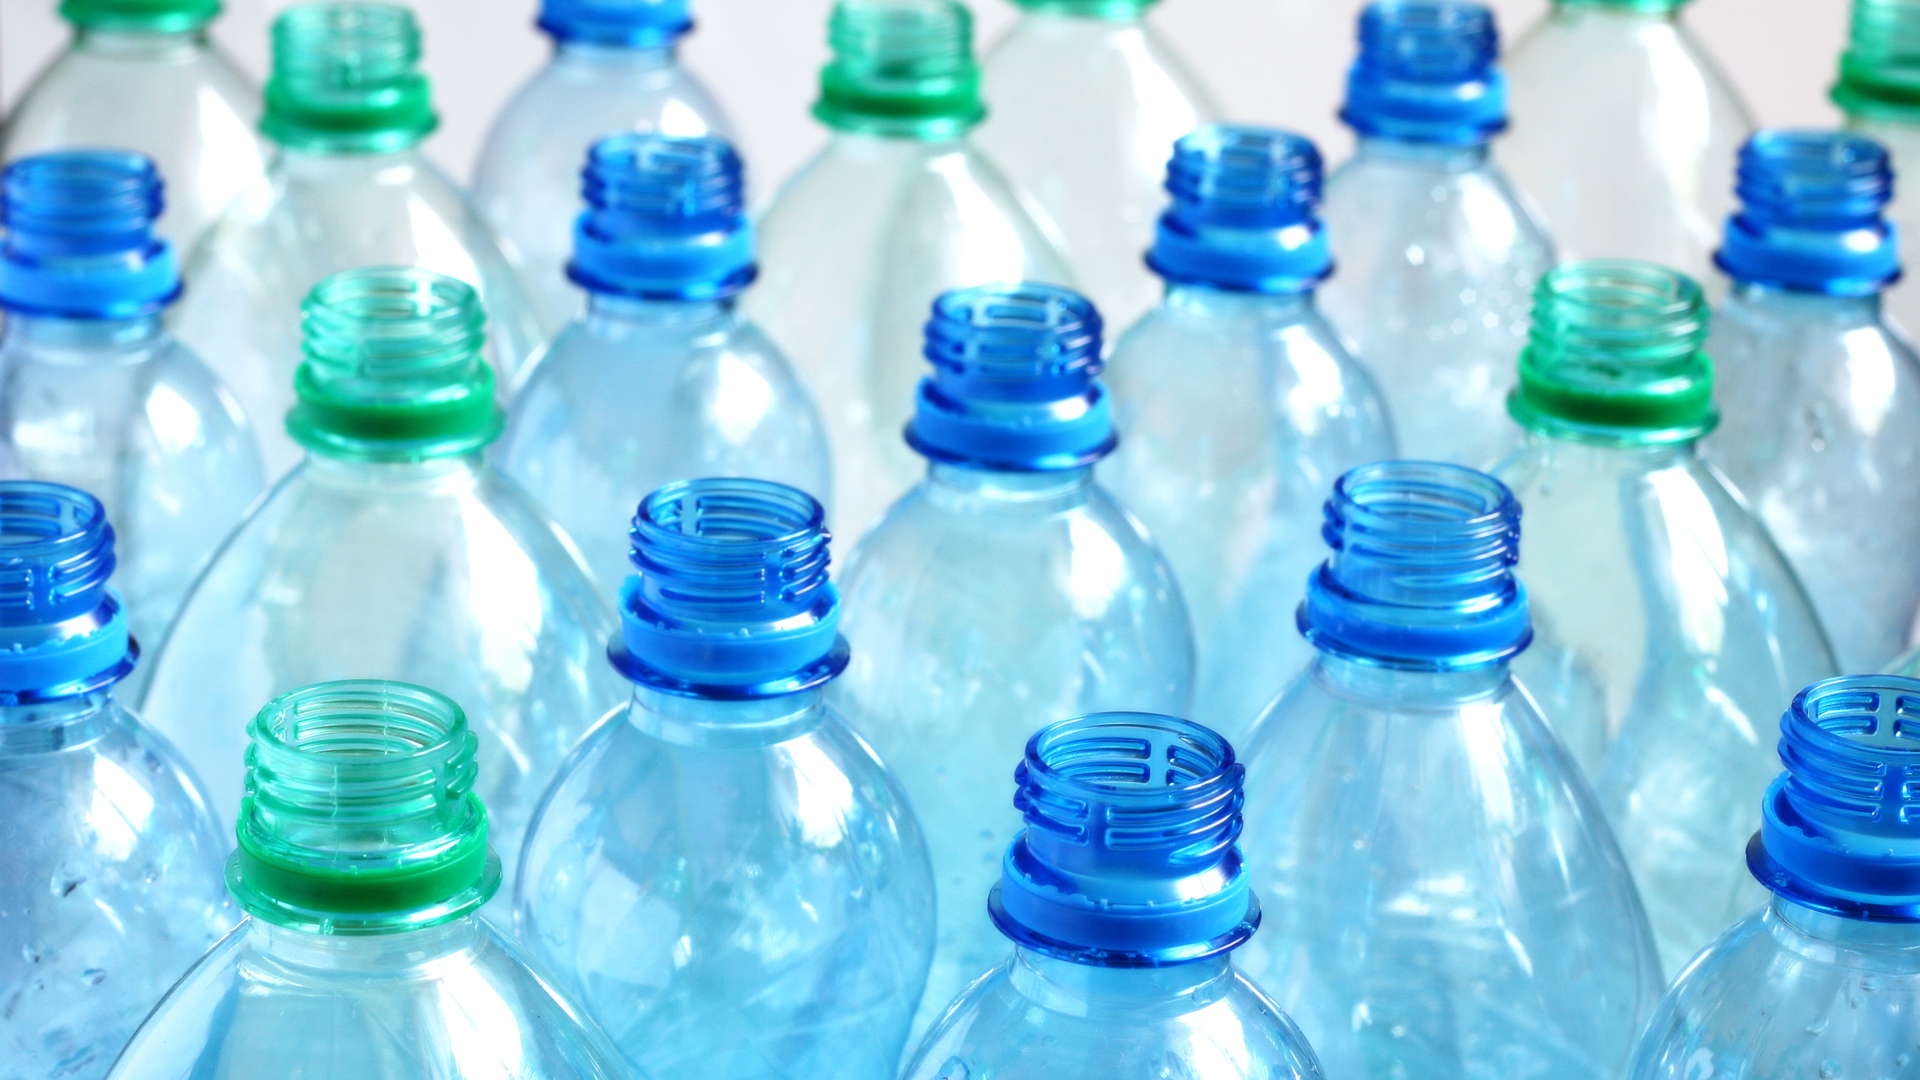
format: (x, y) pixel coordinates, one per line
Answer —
(345, 79)
(901, 68)
(665, 219)
(1244, 212)
(1426, 73)
(1130, 857)
(62, 631)
(360, 815)
(79, 241)
(1810, 215)
(1880, 69)
(140, 16)
(638, 24)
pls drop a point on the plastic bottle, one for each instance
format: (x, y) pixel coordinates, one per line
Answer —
(1822, 980)
(1239, 405)
(730, 796)
(1437, 255)
(1624, 132)
(349, 186)
(662, 379)
(144, 75)
(897, 208)
(1004, 592)
(1444, 898)
(96, 393)
(1124, 898)
(363, 862)
(1814, 382)
(1666, 618)
(394, 549)
(1086, 100)
(1879, 91)
(110, 886)
(613, 69)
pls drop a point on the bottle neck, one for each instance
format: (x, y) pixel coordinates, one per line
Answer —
(1801, 303)
(1207, 300)
(49, 726)
(1576, 456)
(627, 310)
(698, 721)
(386, 956)
(1389, 685)
(959, 486)
(453, 472)
(126, 44)
(1088, 990)
(601, 56)
(899, 151)
(313, 163)
(1878, 945)
(1407, 153)
(61, 340)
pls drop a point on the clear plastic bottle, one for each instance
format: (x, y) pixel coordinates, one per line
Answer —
(95, 392)
(662, 378)
(110, 886)
(1085, 102)
(362, 866)
(1005, 592)
(1124, 898)
(1824, 981)
(1815, 385)
(1879, 91)
(730, 796)
(394, 549)
(1624, 132)
(348, 187)
(1437, 256)
(1666, 618)
(1238, 406)
(897, 208)
(1444, 898)
(613, 70)
(144, 75)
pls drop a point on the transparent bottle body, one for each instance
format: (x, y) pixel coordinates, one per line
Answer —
(1902, 140)
(1624, 135)
(1814, 393)
(1236, 413)
(450, 1002)
(733, 889)
(852, 253)
(316, 215)
(527, 181)
(1669, 632)
(1790, 992)
(639, 393)
(441, 573)
(173, 97)
(1036, 1017)
(1437, 263)
(112, 885)
(1083, 114)
(983, 607)
(119, 409)
(1442, 896)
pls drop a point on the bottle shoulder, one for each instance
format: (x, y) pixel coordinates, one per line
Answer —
(1467, 222)
(1070, 74)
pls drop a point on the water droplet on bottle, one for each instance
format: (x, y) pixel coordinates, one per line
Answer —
(1829, 1070)
(1818, 1026)
(66, 879)
(33, 952)
(954, 1069)
(93, 976)
(153, 872)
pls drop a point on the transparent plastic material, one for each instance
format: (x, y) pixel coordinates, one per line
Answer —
(1811, 386)
(1083, 112)
(852, 251)
(527, 180)
(1902, 140)
(1437, 260)
(982, 607)
(1624, 134)
(641, 392)
(173, 96)
(1227, 460)
(1668, 630)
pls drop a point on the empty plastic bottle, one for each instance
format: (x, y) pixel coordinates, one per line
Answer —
(394, 549)
(1437, 255)
(1666, 618)
(1240, 406)
(1624, 132)
(144, 75)
(1879, 90)
(1444, 898)
(348, 187)
(662, 378)
(897, 208)
(363, 862)
(1124, 898)
(613, 69)
(96, 393)
(1086, 101)
(110, 885)
(1005, 592)
(1816, 386)
(723, 868)
(1822, 981)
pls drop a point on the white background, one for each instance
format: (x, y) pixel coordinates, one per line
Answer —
(1278, 62)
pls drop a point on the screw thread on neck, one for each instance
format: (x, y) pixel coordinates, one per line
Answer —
(1244, 214)
(140, 16)
(1880, 69)
(1810, 214)
(665, 219)
(80, 241)
(62, 631)
(902, 68)
(346, 79)
(1426, 73)
(637, 24)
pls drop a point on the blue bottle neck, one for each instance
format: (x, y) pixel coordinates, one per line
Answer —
(710, 722)
(1410, 154)
(602, 56)
(959, 486)
(1800, 303)
(50, 726)
(1209, 302)
(53, 339)
(1882, 945)
(630, 311)
(1387, 685)
(1089, 990)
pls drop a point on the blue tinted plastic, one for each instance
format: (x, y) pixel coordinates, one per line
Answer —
(664, 220)
(634, 23)
(61, 631)
(1810, 214)
(702, 810)
(80, 242)
(1242, 215)
(1426, 73)
(1013, 383)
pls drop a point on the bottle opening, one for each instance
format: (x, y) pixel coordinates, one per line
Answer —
(80, 241)
(900, 67)
(1809, 218)
(56, 553)
(665, 219)
(1880, 69)
(1244, 212)
(1426, 73)
(345, 78)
